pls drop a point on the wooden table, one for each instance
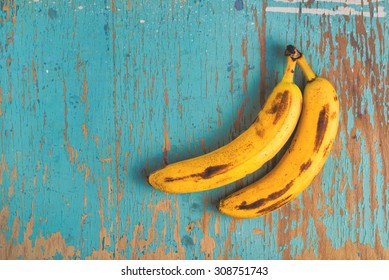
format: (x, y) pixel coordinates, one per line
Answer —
(94, 95)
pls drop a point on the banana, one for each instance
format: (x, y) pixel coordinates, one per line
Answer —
(245, 154)
(305, 157)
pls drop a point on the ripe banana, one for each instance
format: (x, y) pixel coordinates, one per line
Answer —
(309, 149)
(273, 126)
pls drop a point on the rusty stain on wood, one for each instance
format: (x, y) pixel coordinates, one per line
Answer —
(92, 97)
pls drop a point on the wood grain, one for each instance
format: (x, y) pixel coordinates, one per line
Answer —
(94, 95)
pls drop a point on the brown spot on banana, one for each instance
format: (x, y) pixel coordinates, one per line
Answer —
(209, 172)
(280, 105)
(305, 166)
(275, 206)
(213, 170)
(321, 128)
(327, 149)
(260, 132)
(260, 202)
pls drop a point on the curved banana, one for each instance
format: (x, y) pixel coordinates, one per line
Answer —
(245, 154)
(304, 158)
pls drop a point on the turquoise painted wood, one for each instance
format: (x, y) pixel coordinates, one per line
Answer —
(94, 95)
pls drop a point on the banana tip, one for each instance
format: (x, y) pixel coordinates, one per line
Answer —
(148, 179)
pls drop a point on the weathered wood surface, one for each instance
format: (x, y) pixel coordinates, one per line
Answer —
(96, 94)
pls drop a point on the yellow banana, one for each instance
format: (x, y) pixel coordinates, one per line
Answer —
(245, 154)
(309, 149)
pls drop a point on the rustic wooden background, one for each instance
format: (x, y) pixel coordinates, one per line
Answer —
(96, 94)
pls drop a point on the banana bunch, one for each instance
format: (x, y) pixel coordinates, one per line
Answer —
(314, 119)
(264, 138)
(309, 149)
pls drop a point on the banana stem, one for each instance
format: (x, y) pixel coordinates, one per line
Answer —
(307, 70)
(289, 71)
(298, 56)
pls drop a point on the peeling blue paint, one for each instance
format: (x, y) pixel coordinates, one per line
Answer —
(312, 237)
